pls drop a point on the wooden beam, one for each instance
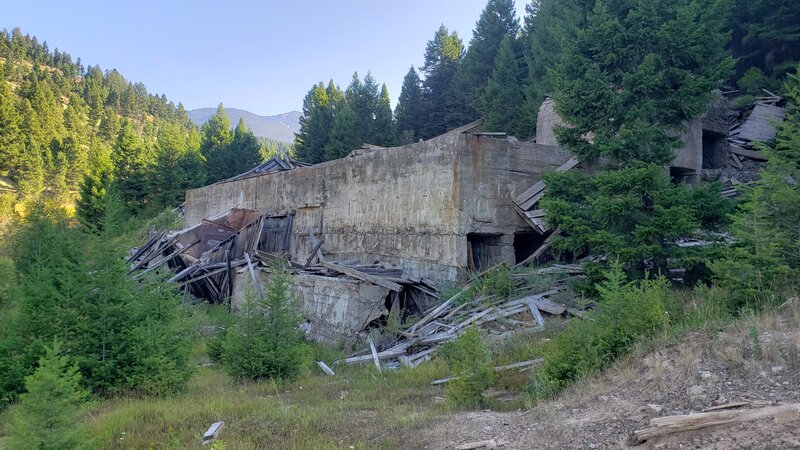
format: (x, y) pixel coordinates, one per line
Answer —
(362, 276)
(256, 286)
(661, 426)
(540, 251)
(328, 371)
(752, 154)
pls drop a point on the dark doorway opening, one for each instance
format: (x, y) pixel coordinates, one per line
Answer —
(525, 244)
(483, 250)
(714, 150)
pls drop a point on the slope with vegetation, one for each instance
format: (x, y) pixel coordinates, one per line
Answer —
(626, 74)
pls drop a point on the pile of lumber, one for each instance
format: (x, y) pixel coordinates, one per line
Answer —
(448, 320)
(754, 126)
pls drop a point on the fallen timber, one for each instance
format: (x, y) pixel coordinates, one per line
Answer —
(447, 321)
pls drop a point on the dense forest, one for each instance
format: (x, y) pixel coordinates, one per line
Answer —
(87, 158)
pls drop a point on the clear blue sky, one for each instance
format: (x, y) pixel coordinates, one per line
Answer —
(262, 56)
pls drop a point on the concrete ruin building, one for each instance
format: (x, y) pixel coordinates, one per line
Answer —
(384, 227)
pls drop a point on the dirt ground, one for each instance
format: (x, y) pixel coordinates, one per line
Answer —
(755, 361)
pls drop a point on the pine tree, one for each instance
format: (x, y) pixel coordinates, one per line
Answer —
(245, 151)
(265, 341)
(766, 37)
(317, 122)
(217, 138)
(10, 134)
(633, 73)
(655, 70)
(502, 102)
(410, 109)
(90, 205)
(343, 138)
(383, 130)
(48, 415)
(132, 162)
(443, 54)
(497, 21)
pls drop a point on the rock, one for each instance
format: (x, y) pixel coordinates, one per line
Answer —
(655, 407)
(778, 369)
(695, 390)
(704, 374)
(487, 428)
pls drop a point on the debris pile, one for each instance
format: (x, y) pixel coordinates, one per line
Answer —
(274, 164)
(501, 317)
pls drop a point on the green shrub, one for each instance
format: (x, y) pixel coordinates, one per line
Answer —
(470, 360)
(499, 282)
(48, 415)
(265, 341)
(752, 81)
(628, 312)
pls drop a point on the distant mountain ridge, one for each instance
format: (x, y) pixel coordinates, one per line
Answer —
(280, 127)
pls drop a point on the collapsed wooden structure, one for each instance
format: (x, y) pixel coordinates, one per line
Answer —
(445, 322)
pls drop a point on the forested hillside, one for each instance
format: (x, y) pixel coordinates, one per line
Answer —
(65, 128)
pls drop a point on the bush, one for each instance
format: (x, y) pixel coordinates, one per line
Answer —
(470, 360)
(124, 335)
(48, 415)
(265, 341)
(627, 313)
(752, 81)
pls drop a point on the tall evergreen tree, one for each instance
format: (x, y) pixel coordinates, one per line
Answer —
(343, 136)
(637, 71)
(317, 121)
(383, 130)
(409, 111)
(497, 21)
(443, 54)
(132, 161)
(630, 76)
(10, 134)
(217, 137)
(502, 102)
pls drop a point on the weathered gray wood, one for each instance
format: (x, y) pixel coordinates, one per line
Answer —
(253, 276)
(489, 444)
(362, 276)
(519, 365)
(661, 426)
(328, 371)
(536, 314)
(549, 307)
(213, 432)
(752, 154)
(375, 359)
(160, 262)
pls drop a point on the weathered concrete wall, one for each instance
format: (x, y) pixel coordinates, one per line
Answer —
(411, 205)
(335, 309)
(491, 172)
(546, 122)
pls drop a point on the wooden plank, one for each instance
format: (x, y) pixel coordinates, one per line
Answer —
(662, 426)
(212, 432)
(160, 262)
(487, 444)
(314, 252)
(375, 359)
(328, 371)
(519, 365)
(752, 154)
(737, 161)
(467, 128)
(253, 276)
(549, 307)
(536, 314)
(362, 276)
